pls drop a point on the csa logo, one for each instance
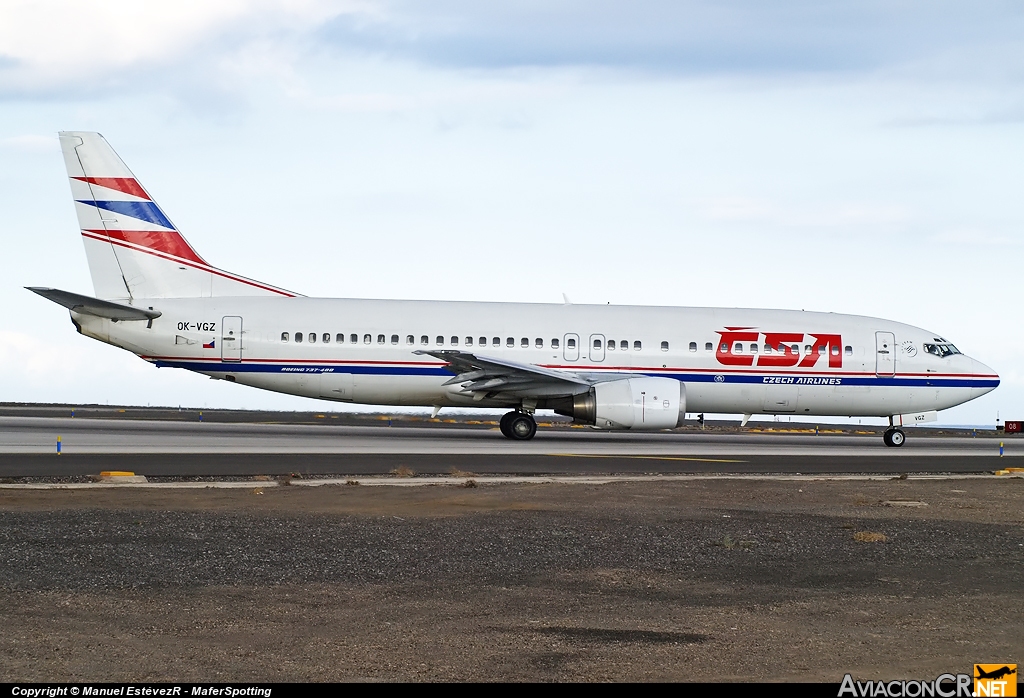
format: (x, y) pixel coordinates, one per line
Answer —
(995, 680)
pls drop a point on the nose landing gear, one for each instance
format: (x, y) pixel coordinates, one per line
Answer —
(894, 437)
(518, 426)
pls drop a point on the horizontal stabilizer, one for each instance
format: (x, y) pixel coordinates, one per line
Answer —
(94, 306)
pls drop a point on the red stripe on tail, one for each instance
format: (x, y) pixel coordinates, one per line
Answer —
(171, 243)
(126, 185)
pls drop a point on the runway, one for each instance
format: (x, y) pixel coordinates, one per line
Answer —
(194, 449)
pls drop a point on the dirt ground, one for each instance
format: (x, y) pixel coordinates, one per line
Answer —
(694, 581)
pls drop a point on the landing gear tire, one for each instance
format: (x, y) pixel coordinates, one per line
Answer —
(521, 426)
(894, 437)
(503, 424)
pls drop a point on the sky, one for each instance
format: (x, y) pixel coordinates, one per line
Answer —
(863, 158)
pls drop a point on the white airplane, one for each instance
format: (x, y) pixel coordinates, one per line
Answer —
(612, 367)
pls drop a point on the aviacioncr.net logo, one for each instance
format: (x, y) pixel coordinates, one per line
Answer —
(944, 686)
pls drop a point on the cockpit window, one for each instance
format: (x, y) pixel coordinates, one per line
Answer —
(941, 350)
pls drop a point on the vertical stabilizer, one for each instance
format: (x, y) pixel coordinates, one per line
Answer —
(134, 249)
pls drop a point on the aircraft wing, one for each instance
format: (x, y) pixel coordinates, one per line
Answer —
(487, 376)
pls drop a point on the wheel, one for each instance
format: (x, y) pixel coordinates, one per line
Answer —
(521, 426)
(503, 424)
(897, 438)
(885, 437)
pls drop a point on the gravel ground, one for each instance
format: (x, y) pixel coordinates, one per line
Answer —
(699, 580)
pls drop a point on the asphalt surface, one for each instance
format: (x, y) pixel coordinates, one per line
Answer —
(200, 449)
(700, 581)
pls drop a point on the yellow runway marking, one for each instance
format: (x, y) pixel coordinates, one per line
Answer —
(601, 455)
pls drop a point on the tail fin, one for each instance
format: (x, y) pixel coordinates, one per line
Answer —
(134, 250)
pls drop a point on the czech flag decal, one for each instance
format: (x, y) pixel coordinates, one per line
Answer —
(210, 345)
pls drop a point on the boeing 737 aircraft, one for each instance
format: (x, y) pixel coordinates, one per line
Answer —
(612, 367)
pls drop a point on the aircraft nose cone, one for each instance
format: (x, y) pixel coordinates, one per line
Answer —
(987, 379)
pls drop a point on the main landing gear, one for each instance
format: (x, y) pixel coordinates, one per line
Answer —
(518, 426)
(894, 437)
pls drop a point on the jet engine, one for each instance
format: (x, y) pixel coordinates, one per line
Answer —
(641, 404)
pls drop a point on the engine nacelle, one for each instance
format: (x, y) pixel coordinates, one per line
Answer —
(641, 404)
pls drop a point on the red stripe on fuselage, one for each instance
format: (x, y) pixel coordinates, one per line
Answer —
(169, 242)
(125, 185)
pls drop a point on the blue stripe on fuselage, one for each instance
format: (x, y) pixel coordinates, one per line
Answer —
(764, 379)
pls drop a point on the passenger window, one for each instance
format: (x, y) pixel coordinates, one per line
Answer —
(693, 346)
(848, 351)
(340, 339)
(664, 346)
(394, 339)
(312, 337)
(724, 348)
(367, 338)
(409, 339)
(524, 342)
(380, 339)
(539, 343)
(354, 338)
(637, 346)
(439, 340)
(597, 343)
(298, 337)
(510, 341)
(611, 345)
(327, 337)
(624, 345)
(284, 336)
(708, 346)
(554, 343)
(821, 350)
(737, 348)
(835, 351)
(424, 340)
(807, 348)
(570, 343)
(795, 348)
(469, 341)
(483, 341)
(753, 348)
(495, 341)
(767, 348)
(455, 341)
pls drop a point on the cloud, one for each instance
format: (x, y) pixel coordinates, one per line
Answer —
(67, 47)
(680, 36)
(49, 46)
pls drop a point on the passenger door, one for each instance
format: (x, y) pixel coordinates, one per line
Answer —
(885, 354)
(231, 338)
(597, 347)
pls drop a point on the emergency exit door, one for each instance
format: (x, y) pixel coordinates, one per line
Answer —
(885, 354)
(231, 338)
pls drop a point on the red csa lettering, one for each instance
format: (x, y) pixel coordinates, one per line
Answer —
(782, 341)
(826, 341)
(725, 344)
